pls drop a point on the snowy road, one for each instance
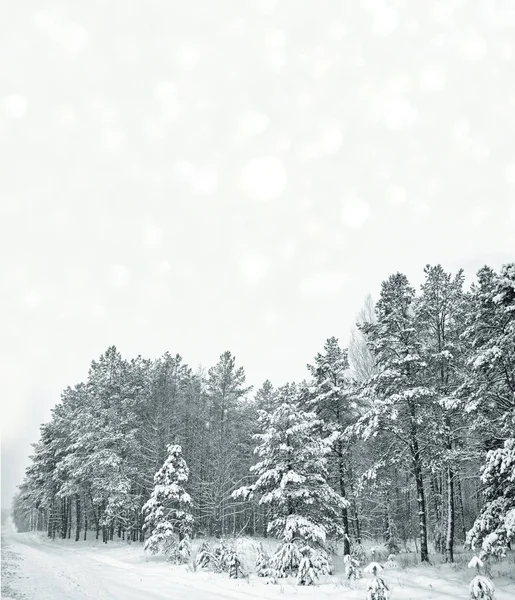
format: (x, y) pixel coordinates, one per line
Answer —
(35, 568)
(41, 570)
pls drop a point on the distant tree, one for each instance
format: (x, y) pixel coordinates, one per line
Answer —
(361, 359)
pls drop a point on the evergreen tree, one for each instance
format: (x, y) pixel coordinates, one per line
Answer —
(226, 391)
(439, 315)
(168, 518)
(399, 391)
(492, 401)
(291, 478)
(333, 398)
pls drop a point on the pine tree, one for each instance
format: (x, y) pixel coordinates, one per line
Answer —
(491, 399)
(332, 397)
(399, 393)
(225, 391)
(292, 480)
(168, 511)
(480, 588)
(494, 529)
(376, 587)
(439, 315)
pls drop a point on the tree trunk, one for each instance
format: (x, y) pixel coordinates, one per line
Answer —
(421, 501)
(77, 517)
(419, 480)
(69, 518)
(356, 520)
(96, 518)
(449, 541)
(460, 505)
(345, 512)
(64, 518)
(50, 519)
(436, 499)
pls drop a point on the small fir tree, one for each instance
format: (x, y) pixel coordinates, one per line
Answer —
(480, 588)
(313, 564)
(263, 568)
(205, 556)
(376, 587)
(352, 569)
(168, 518)
(292, 481)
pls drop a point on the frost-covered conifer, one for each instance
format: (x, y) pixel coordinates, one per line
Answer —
(233, 564)
(352, 570)
(391, 563)
(313, 564)
(398, 393)
(205, 556)
(480, 588)
(492, 400)
(262, 563)
(332, 396)
(168, 517)
(376, 587)
(292, 480)
(494, 529)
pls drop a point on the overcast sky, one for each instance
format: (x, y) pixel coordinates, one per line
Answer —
(199, 176)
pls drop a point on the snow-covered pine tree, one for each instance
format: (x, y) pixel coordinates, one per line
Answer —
(332, 396)
(262, 563)
(292, 481)
(376, 587)
(226, 391)
(439, 316)
(233, 564)
(398, 392)
(494, 529)
(480, 588)
(168, 518)
(352, 568)
(205, 556)
(492, 400)
(313, 564)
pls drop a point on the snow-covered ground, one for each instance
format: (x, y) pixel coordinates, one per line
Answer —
(35, 568)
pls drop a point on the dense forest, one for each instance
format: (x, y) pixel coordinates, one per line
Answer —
(406, 437)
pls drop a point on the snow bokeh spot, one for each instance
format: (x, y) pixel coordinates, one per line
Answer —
(15, 106)
(264, 178)
(355, 212)
(119, 276)
(252, 123)
(152, 234)
(432, 79)
(253, 268)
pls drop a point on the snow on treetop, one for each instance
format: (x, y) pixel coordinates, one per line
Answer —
(373, 566)
(475, 563)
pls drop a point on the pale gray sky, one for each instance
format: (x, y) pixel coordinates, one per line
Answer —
(208, 175)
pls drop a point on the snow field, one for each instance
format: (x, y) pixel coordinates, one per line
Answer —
(62, 569)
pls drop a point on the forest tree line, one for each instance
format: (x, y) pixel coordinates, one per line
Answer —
(419, 412)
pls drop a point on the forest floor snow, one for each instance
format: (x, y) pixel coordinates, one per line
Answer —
(36, 568)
